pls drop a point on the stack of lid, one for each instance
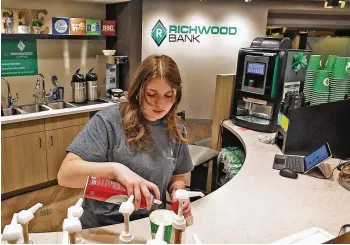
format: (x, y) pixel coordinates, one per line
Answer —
(340, 79)
(321, 88)
(311, 73)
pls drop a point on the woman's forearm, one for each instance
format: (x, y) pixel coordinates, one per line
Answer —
(74, 170)
(177, 182)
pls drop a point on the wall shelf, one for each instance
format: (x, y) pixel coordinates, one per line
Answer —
(6, 36)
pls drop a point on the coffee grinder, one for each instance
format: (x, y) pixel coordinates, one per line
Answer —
(266, 71)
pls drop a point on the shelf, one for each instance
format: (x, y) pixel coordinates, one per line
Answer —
(6, 36)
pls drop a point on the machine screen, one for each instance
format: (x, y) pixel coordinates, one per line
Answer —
(316, 157)
(256, 68)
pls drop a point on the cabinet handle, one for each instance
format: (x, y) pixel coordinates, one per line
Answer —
(40, 142)
(51, 139)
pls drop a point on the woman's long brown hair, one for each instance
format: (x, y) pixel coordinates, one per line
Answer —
(135, 125)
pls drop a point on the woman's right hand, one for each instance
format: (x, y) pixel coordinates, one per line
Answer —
(136, 185)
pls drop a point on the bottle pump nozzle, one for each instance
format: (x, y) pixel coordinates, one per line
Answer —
(12, 232)
(127, 208)
(24, 217)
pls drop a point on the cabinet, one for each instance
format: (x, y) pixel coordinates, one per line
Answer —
(57, 142)
(32, 152)
(23, 161)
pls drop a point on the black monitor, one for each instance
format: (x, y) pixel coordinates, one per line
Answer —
(311, 127)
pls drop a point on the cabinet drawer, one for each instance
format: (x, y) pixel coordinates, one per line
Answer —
(22, 128)
(66, 121)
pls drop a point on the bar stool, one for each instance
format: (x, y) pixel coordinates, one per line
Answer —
(201, 156)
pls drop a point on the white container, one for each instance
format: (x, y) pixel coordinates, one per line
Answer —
(108, 52)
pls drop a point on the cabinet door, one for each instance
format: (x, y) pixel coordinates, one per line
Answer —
(23, 161)
(57, 142)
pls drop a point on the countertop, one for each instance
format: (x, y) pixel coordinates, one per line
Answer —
(53, 113)
(256, 206)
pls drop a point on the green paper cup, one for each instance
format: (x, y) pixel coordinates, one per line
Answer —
(158, 217)
(322, 82)
(340, 68)
(314, 63)
(330, 62)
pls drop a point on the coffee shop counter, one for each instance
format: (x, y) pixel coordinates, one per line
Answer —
(256, 206)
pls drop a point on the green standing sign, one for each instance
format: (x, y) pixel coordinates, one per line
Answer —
(19, 58)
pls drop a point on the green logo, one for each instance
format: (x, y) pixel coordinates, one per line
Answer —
(159, 33)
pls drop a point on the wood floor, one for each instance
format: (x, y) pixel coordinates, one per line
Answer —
(57, 199)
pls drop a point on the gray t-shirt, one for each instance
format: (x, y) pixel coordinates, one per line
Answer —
(103, 140)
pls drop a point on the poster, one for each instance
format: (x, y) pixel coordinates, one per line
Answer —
(18, 58)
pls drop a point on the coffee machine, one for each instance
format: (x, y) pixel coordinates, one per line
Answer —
(263, 72)
(113, 75)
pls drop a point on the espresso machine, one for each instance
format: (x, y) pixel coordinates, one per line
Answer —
(263, 71)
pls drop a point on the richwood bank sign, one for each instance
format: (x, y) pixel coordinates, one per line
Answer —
(185, 33)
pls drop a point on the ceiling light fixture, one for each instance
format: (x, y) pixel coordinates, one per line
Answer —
(247, 1)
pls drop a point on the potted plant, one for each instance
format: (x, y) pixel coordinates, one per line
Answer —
(37, 24)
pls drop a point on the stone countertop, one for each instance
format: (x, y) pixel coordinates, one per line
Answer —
(53, 113)
(256, 206)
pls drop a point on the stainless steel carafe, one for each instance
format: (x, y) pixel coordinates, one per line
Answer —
(78, 87)
(91, 83)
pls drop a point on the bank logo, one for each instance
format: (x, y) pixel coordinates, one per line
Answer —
(159, 33)
(21, 46)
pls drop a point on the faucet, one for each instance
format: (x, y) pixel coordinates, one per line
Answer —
(36, 98)
(10, 100)
(43, 91)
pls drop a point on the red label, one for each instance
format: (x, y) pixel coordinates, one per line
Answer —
(108, 27)
(107, 191)
(253, 89)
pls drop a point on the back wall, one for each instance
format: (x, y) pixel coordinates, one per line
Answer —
(199, 63)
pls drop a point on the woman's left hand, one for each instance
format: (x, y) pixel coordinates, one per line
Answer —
(187, 205)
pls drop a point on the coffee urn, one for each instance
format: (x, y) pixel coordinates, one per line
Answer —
(78, 87)
(91, 85)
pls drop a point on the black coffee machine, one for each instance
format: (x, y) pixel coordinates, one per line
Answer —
(263, 71)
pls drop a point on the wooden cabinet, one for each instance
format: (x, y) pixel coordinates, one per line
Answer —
(57, 142)
(23, 161)
(32, 152)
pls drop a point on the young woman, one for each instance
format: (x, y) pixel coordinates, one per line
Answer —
(139, 143)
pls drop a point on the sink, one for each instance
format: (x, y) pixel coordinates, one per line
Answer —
(34, 108)
(12, 111)
(60, 105)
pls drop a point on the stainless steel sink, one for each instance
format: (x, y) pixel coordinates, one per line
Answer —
(60, 105)
(34, 108)
(12, 111)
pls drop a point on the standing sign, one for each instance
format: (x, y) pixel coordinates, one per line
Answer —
(18, 58)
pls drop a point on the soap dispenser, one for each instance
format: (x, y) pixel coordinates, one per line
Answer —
(179, 222)
(24, 217)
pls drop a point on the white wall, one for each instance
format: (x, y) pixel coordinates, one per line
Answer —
(199, 63)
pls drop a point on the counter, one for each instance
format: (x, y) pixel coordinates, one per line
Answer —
(53, 113)
(256, 206)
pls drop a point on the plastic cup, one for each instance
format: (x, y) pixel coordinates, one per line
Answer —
(158, 217)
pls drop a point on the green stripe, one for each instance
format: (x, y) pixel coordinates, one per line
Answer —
(275, 77)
